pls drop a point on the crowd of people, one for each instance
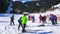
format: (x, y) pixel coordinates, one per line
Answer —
(43, 19)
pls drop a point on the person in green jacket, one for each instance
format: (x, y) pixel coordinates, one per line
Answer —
(24, 21)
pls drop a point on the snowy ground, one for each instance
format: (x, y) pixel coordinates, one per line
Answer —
(32, 28)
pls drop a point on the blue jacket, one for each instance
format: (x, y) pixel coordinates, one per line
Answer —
(33, 17)
(52, 17)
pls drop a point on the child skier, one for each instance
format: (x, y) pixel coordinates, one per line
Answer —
(12, 20)
(24, 21)
(29, 17)
(33, 18)
(44, 19)
(55, 19)
(40, 18)
(20, 23)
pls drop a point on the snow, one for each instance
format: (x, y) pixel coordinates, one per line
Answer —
(5, 28)
(32, 28)
(58, 5)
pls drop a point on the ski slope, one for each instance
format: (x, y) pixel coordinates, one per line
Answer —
(31, 28)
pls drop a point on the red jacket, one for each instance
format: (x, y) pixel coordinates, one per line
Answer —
(40, 17)
(29, 17)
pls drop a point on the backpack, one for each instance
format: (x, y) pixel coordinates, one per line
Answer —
(19, 20)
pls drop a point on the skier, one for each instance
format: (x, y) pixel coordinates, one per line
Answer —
(20, 23)
(33, 18)
(45, 19)
(24, 21)
(55, 19)
(12, 20)
(40, 18)
(29, 17)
